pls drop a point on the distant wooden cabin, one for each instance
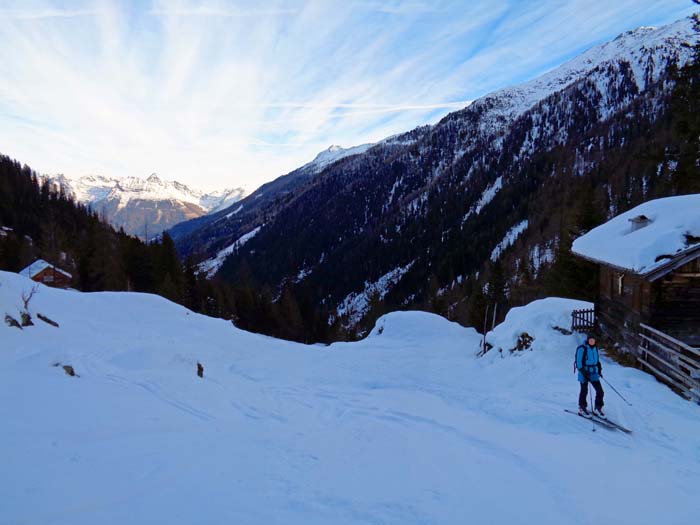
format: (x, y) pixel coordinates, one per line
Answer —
(48, 274)
(649, 287)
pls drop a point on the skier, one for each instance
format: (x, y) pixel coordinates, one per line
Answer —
(589, 369)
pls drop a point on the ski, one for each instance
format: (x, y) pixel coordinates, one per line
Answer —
(599, 422)
(613, 423)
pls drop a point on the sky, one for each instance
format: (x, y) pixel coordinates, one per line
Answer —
(221, 94)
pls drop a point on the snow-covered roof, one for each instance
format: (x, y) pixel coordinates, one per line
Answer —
(40, 265)
(647, 237)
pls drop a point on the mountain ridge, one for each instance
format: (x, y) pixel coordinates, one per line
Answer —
(140, 205)
(449, 201)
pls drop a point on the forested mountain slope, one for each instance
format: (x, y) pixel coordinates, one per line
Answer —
(481, 201)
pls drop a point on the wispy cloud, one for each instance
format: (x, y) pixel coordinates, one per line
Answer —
(37, 14)
(220, 11)
(218, 93)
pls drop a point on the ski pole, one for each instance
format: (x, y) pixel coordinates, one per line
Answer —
(615, 390)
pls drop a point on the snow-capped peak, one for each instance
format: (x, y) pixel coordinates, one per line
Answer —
(92, 189)
(647, 50)
(335, 153)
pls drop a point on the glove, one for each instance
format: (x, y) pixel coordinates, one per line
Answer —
(600, 368)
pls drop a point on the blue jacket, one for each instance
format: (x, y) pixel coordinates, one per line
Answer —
(590, 367)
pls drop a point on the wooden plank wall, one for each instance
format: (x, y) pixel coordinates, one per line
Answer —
(618, 314)
(676, 306)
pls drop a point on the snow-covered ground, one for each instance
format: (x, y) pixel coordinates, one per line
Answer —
(406, 426)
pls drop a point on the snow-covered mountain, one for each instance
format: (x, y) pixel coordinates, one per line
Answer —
(407, 426)
(333, 154)
(646, 51)
(145, 206)
(268, 194)
(493, 182)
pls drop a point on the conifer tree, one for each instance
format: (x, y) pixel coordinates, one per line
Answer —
(291, 320)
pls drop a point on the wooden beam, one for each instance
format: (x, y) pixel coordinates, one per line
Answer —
(685, 359)
(683, 345)
(681, 376)
(677, 261)
(675, 383)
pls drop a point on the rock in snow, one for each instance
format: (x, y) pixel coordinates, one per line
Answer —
(406, 426)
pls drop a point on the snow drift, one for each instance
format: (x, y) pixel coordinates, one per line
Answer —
(406, 426)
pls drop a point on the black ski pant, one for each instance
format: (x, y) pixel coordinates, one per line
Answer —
(584, 393)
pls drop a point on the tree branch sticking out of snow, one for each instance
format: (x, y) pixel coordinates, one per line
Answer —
(26, 297)
(47, 320)
(11, 321)
(24, 314)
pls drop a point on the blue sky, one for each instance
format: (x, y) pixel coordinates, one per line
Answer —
(222, 94)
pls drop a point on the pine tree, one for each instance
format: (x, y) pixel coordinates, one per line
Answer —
(169, 272)
(191, 296)
(478, 303)
(497, 285)
(685, 107)
(292, 324)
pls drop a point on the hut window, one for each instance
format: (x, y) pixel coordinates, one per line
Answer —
(48, 278)
(620, 284)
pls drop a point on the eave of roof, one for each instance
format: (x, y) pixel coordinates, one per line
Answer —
(678, 260)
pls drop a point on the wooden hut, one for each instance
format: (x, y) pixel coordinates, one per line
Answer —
(649, 286)
(47, 273)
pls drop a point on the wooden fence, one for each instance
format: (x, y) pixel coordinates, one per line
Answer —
(671, 360)
(583, 320)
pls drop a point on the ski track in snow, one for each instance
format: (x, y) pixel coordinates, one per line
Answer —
(406, 426)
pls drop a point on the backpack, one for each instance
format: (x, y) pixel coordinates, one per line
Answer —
(584, 357)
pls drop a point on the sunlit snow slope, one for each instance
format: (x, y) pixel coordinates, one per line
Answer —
(406, 426)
